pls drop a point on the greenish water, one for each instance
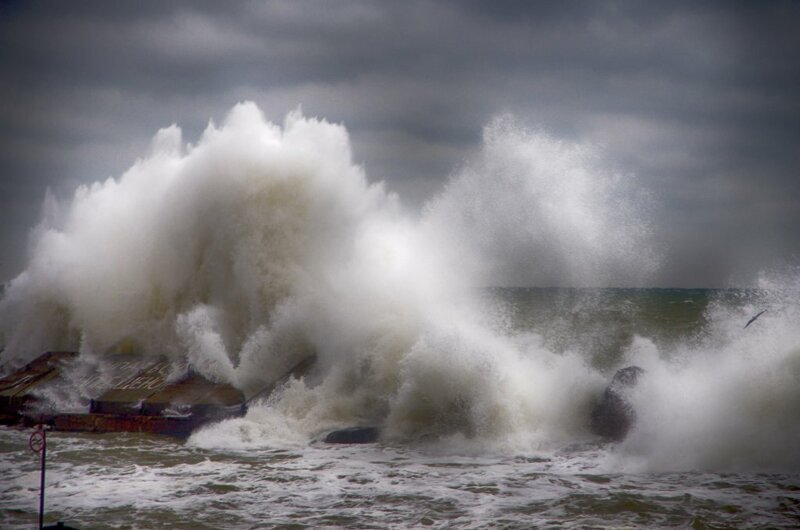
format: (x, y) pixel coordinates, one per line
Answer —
(603, 322)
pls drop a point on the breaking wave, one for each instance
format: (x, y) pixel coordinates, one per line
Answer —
(728, 399)
(263, 244)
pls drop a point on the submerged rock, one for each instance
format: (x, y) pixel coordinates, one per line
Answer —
(614, 416)
(353, 435)
(58, 526)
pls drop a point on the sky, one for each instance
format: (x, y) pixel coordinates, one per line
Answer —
(699, 100)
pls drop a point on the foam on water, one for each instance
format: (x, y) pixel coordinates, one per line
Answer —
(152, 482)
(261, 244)
(730, 399)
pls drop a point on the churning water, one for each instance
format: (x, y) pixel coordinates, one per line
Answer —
(242, 254)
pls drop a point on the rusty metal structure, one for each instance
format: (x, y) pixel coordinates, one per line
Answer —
(17, 389)
(133, 394)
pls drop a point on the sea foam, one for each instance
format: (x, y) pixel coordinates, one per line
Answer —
(261, 244)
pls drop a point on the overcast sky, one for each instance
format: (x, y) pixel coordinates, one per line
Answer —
(701, 101)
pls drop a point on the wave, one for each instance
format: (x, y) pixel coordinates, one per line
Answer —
(261, 244)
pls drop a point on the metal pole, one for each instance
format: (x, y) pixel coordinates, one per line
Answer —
(41, 485)
(38, 444)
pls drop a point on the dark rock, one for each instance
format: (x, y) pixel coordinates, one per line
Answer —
(353, 435)
(613, 417)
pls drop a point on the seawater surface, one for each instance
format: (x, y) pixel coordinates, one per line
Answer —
(242, 474)
(141, 481)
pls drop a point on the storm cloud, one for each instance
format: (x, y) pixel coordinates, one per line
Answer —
(700, 100)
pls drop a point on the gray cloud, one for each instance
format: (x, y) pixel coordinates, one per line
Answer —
(700, 100)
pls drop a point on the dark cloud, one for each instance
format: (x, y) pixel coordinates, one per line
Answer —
(699, 99)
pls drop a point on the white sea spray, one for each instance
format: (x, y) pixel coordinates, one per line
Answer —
(262, 244)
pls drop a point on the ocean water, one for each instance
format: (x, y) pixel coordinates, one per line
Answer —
(244, 252)
(137, 481)
(238, 474)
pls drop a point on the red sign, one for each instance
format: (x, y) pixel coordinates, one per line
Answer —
(37, 441)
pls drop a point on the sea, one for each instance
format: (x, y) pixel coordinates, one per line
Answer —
(258, 245)
(715, 444)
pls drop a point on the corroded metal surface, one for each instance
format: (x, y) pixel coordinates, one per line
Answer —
(150, 393)
(129, 394)
(112, 372)
(194, 395)
(16, 389)
(123, 393)
(116, 423)
(126, 397)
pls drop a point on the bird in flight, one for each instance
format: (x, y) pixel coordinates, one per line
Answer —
(754, 318)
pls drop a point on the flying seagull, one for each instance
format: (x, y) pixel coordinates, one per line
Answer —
(754, 318)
